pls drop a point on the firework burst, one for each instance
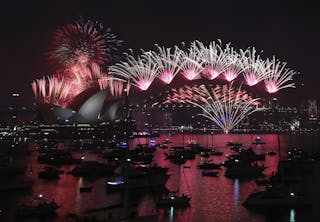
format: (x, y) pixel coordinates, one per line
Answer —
(191, 62)
(83, 41)
(235, 67)
(114, 85)
(51, 90)
(214, 57)
(255, 69)
(168, 61)
(140, 72)
(279, 77)
(225, 106)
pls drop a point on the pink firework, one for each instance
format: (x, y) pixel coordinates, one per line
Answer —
(83, 41)
(230, 75)
(143, 84)
(114, 85)
(166, 76)
(235, 64)
(191, 63)
(214, 56)
(271, 87)
(225, 106)
(251, 79)
(51, 90)
(211, 73)
(168, 61)
(140, 72)
(279, 76)
(191, 74)
(255, 69)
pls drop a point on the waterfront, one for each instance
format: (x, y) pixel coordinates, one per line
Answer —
(212, 199)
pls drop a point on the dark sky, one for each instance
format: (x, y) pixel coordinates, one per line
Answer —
(290, 30)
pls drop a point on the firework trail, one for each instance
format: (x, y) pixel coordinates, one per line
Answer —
(191, 62)
(279, 76)
(140, 72)
(235, 67)
(255, 69)
(214, 57)
(168, 62)
(225, 106)
(114, 85)
(51, 90)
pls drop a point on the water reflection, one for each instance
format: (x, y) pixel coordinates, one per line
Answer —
(292, 215)
(212, 199)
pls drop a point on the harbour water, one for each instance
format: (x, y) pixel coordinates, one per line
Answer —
(212, 199)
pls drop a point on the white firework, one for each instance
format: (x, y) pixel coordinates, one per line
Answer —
(168, 62)
(225, 106)
(191, 63)
(140, 72)
(279, 76)
(235, 67)
(255, 69)
(215, 59)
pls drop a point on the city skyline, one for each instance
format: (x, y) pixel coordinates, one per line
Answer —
(281, 29)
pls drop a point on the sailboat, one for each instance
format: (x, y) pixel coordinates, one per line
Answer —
(175, 200)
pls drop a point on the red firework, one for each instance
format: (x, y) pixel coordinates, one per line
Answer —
(83, 41)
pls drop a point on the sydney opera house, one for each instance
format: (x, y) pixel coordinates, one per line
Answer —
(91, 106)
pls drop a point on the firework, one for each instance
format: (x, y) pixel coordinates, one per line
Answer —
(255, 69)
(167, 61)
(225, 106)
(115, 86)
(51, 90)
(79, 77)
(83, 41)
(214, 57)
(191, 63)
(140, 72)
(279, 76)
(235, 67)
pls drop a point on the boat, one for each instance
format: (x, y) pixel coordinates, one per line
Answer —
(50, 173)
(275, 198)
(258, 140)
(230, 143)
(115, 185)
(138, 181)
(204, 154)
(210, 173)
(244, 171)
(162, 146)
(262, 182)
(271, 153)
(209, 166)
(175, 201)
(85, 189)
(42, 209)
(214, 152)
(166, 141)
(58, 158)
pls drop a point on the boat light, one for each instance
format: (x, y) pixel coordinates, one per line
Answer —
(118, 182)
(291, 194)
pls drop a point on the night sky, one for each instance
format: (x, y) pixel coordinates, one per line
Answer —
(288, 30)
